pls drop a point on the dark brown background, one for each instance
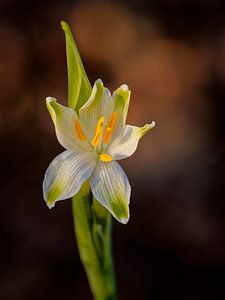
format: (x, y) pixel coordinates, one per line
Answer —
(172, 55)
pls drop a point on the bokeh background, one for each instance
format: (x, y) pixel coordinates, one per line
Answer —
(172, 55)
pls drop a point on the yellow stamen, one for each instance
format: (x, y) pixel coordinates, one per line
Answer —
(98, 132)
(112, 120)
(99, 124)
(105, 157)
(110, 127)
(97, 137)
(107, 135)
(79, 130)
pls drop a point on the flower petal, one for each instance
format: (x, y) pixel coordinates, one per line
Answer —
(111, 188)
(66, 174)
(121, 98)
(64, 120)
(126, 144)
(99, 104)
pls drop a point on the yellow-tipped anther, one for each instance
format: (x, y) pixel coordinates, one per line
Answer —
(79, 130)
(105, 157)
(112, 120)
(99, 124)
(98, 132)
(110, 127)
(107, 135)
(97, 137)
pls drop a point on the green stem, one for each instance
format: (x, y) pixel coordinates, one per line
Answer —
(93, 228)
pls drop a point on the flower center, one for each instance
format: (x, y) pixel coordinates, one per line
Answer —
(98, 134)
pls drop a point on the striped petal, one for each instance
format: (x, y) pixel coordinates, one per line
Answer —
(99, 104)
(111, 188)
(126, 144)
(66, 174)
(64, 119)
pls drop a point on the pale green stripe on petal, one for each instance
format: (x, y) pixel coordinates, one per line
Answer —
(64, 120)
(111, 188)
(99, 104)
(66, 174)
(126, 144)
(121, 98)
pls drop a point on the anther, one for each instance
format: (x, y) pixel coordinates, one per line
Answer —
(98, 132)
(110, 127)
(79, 130)
(105, 157)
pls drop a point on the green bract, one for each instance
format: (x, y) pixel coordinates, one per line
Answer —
(94, 138)
(79, 87)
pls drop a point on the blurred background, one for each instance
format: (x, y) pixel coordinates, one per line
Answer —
(172, 55)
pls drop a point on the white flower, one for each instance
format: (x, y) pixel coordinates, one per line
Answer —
(94, 139)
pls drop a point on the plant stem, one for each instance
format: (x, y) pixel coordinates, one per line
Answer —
(93, 229)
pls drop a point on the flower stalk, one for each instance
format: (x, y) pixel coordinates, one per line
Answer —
(93, 228)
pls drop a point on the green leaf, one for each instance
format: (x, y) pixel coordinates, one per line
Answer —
(79, 87)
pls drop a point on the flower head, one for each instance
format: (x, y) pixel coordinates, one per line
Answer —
(94, 139)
